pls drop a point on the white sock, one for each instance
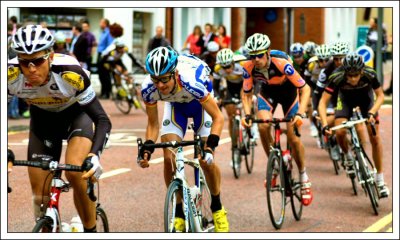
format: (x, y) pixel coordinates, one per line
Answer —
(379, 178)
(303, 176)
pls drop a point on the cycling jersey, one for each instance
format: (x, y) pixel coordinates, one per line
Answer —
(350, 96)
(322, 83)
(67, 93)
(193, 83)
(236, 76)
(302, 67)
(69, 83)
(312, 71)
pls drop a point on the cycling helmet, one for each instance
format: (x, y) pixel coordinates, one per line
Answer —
(212, 46)
(31, 39)
(257, 42)
(119, 42)
(340, 48)
(296, 49)
(309, 48)
(59, 37)
(225, 57)
(353, 62)
(161, 60)
(323, 51)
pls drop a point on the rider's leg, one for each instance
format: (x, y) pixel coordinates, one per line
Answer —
(230, 111)
(265, 130)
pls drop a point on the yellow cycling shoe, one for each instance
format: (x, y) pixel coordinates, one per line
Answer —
(179, 224)
(221, 223)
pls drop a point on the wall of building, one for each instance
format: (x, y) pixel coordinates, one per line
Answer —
(340, 24)
(308, 25)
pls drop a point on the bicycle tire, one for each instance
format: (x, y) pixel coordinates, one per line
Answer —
(276, 210)
(122, 104)
(236, 156)
(207, 221)
(101, 218)
(293, 175)
(353, 182)
(139, 103)
(44, 223)
(369, 182)
(249, 157)
(174, 189)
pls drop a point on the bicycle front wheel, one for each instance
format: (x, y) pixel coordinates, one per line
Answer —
(295, 190)
(44, 225)
(173, 193)
(276, 198)
(236, 144)
(102, 220)
(369, 182)
(122, 103)
(207, 222)
(249, 157)
(137, 98)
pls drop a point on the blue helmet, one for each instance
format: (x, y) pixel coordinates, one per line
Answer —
(161, 60)
(296, 49)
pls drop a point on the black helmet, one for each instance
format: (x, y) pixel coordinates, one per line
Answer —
(353, 62)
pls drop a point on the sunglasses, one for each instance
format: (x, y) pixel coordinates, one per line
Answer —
(162, 79)
(337, 59)
(297, 56)
(353, 74)
(33, 62)
(227, 66)
(260, 55)
(323, 60)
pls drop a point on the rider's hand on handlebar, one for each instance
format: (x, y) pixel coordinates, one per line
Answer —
(247, 120)
(297, 120)
(326, 131)
(146, 154)
(92, 162)
(371, 118)
(208, 156)
(10, 160)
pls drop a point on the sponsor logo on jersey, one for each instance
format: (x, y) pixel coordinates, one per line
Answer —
(74, 79)
(27, 85)
(245, 73)
(54, 86)
(47, 101)
(208, 124)
(12, 73)
(166, 122)
(289, 70)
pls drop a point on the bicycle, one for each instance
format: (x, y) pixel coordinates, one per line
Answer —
(51, 221)
(243, 143)
(364, 168)
(281, 178)
(196, 198)
(128, 94)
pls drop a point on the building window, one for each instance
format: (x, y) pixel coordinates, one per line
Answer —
(302, 24)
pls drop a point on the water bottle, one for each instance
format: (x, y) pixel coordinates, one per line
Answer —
(65, 227)
(287, 158)
(76, 224)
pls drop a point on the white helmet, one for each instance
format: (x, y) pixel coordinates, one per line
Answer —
(59, 37)
(225, 57)
(340, 48)
(257, 42)
(118, 42)
(212, 46)
(323, 52)
(309, 48)
(31, 39)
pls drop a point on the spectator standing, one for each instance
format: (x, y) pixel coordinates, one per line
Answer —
(105, 40)
(14, 21)
(91, 41)
(208, 36)
(61, 45)
(79, 45)
(193, 41)
(13, 111)
(372, 38)
(224, 41)
(158, 40)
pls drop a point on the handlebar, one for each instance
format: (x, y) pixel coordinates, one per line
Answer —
(351, 123)
(233, 100)
(276, 121)
(46, 162)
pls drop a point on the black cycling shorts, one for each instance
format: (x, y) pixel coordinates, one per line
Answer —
(48, 129)
(344, 107)
(233, 90)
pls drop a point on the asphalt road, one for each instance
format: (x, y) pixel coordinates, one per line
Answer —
(134, 198)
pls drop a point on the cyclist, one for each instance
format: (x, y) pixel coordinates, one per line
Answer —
(309, 49)
(210, 57)
(183, 83)
(63, 106)
(356, 85)
(338, 51)
(279, 84)
(112, 61)
(314, 67)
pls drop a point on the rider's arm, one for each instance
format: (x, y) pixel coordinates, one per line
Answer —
(247, 87)
(378, 101)
(152, 122)
(212, 109)
(135, 61)
(323, 104)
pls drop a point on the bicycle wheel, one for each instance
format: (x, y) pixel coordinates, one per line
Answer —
(174, 190)
(44, 224)
(236, 156)
(122, 103)
(293, 175)
(276, 198)
(369, 182)
(137, 98)
(207, 220)
(101, 219)
(249, 157)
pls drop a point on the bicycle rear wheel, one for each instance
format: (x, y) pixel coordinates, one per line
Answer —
(102, 220)
(276, 198)
(369, 182)
(174, 191)
(236, 144)
(249, 157)
(44, 225)
(207, 220)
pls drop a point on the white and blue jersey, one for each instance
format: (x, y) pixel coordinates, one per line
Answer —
(193, 86)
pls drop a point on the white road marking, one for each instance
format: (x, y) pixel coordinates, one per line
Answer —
(114, 172)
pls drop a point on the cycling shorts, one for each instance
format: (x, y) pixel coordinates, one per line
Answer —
(286, 94)
(344, 109)
(233, 90)
(48, 129)
(176, 116)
